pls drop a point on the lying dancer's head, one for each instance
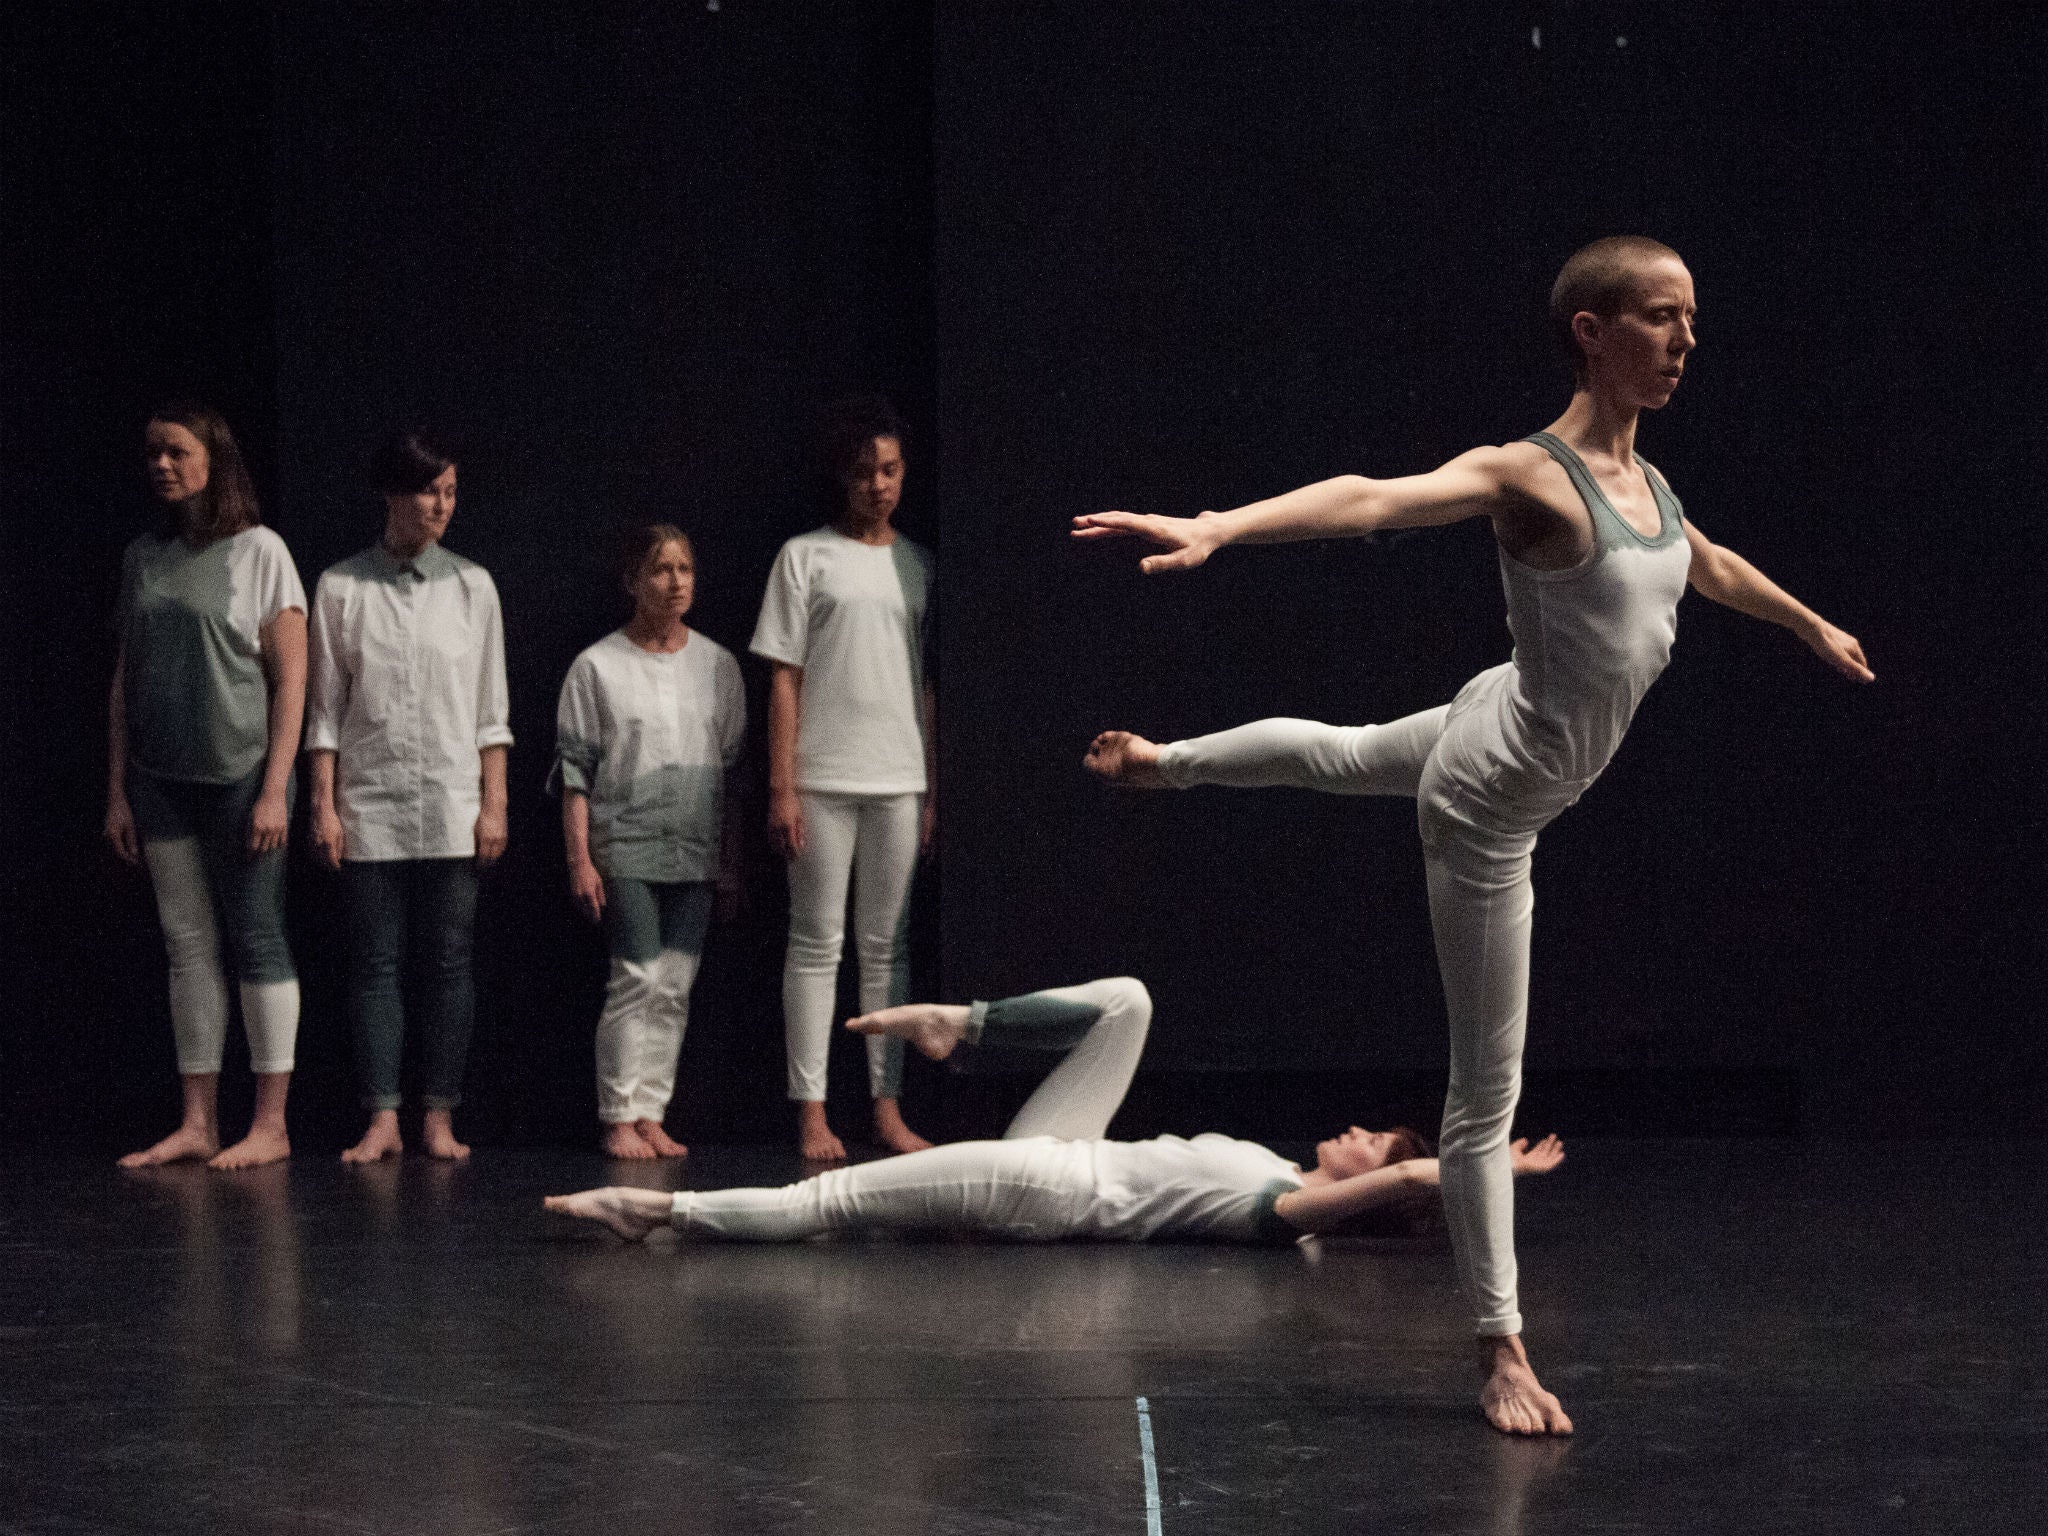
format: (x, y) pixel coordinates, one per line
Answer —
(1361, 1151)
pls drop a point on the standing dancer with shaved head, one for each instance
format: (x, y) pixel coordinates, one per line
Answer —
(1594, 554)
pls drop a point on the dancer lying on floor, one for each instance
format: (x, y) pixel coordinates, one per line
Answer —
(1054, 1174)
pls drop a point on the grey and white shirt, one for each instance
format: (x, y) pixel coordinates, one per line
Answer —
(191, 623)
(648, 738)
(853, 616)
(407, 687)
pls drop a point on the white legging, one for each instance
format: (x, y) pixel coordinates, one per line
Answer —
(1037, 1182)
(1476, 854)
(871, 840)
(199, 987)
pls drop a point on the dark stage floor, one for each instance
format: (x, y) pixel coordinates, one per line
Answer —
(1753, 1338)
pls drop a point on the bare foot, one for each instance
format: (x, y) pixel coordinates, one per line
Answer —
(664, 1145)
(1513, 1400)
(623, 1141)
(933, 1028)
(1126, 760)
(632, 1213)
(185, 1143)
(814, 1137)
(890, 1130)
(263, 1144)
(380, 1141)
(437, 1130)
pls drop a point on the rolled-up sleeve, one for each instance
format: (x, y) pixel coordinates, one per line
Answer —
(327, 676)
(783, 630)
(493, 699)
(579, 745)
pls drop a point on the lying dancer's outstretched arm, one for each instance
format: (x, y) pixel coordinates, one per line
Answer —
(1482, 482)
(1324, 1207)
(1730, 580)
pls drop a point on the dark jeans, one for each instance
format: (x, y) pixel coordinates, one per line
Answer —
(248, 889)
(422, 910)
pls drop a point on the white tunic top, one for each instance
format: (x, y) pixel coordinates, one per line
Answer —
(853, 616)
(407, 687)
(1209, 1187)
(648, 738)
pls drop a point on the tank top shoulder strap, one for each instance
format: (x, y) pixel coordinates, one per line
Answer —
(1606, 520)
(1669, 508)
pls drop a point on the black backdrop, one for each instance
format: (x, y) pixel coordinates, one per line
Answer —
(1155, 256)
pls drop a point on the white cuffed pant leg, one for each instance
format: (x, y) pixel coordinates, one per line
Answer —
(868, 843)
(270, 1017)
(1035, 1189)
(629, 995)
(199, 987)
(663, 1023)
(1082, 1094)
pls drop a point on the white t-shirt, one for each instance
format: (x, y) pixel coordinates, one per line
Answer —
(648, 738)
(1211, 1187)
(407, 687)
(852, 615)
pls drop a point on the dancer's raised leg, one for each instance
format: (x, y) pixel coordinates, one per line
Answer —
(1100, 1027)
(1279, 753)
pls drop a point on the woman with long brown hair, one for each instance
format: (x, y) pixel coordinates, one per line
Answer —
(202, 731)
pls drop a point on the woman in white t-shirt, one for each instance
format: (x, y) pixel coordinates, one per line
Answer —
(1054, 1174)
(202, 732)
(850, 760)
(649, 728)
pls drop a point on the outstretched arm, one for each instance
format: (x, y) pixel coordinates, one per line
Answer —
(1732, 581)
(1474, 484)
(1320, 1207)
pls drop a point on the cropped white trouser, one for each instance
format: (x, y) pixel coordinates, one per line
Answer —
(869, 842)
(1037, 1182)
(199, 987)
(1476, 853)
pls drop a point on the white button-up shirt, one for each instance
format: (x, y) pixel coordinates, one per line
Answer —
(407, 687)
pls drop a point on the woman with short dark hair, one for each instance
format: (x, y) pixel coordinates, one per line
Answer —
(1594, 556)
(202, 731)
(406, 739)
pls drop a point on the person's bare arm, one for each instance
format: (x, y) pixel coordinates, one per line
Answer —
(328, 839)
(1730, 580)
(491, 816)
(284, 660)
(586, 885)
(1319, 1207)
(1477, 483)
(785, 807)
(120, 824)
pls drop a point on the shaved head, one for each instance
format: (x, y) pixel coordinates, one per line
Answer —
(1601, 279)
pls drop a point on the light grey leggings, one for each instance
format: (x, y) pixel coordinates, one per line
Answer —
(1476, 855)
(1037, 1182)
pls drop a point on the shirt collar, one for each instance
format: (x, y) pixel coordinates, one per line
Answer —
(428, 563)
